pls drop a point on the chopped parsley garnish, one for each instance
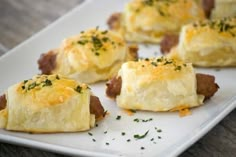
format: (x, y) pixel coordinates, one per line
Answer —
(107, 143)
(142, 148)
(128, 140)
(104, 32)
(32, 85)
(94, 140)
(178, 68)
(82, 42)
(90, 134)
(154, 64)
(78, 89)
(123, 133)
(158, 130)
(57, 77)
(142, 120)
(137, 136)
(118, 117)
(96, 42)
(105, 132)
(47, 82)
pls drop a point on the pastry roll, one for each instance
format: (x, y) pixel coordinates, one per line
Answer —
(149, 20)
(91, 56)
(48, 104)
(208, 43)
(160, 84)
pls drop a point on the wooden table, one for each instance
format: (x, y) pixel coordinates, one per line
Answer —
(20, 19)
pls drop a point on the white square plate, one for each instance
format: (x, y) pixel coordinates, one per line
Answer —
(176, 133)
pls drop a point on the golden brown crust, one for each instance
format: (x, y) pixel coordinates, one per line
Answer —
(114, 21)
(206, 85)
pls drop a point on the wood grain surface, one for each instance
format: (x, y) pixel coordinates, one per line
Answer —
(20, 19)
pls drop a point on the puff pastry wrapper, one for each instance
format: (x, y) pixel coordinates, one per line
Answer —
(158, 85)
(36, 106)
(93, 55)
(148, 21)
(208, 43)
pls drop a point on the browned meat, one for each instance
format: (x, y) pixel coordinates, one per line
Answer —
(208, 5)
(114, 87)
(133, 52)
(114, 21)
(3, 102)
(96, 107)
(168, 42)
(206, 85)
(47, 62)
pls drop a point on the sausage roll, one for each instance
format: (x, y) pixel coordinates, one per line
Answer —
(149, 20)
(160, 84)
(208, 43)
(48, 104)
(91, 56)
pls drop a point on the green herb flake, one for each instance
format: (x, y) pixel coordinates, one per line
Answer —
(78, 89)
(94, 140)
(137, 136)
(57, 77)
(32, 85)
(142, 148)
(118, 117)
(123, 133)
(105, 132)
(90, 134)
(97, 44)
(104, 32)
(82, 42)
(107, 143)
(178, 68)
(154, 64)
(128, 140)
(47, 82)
